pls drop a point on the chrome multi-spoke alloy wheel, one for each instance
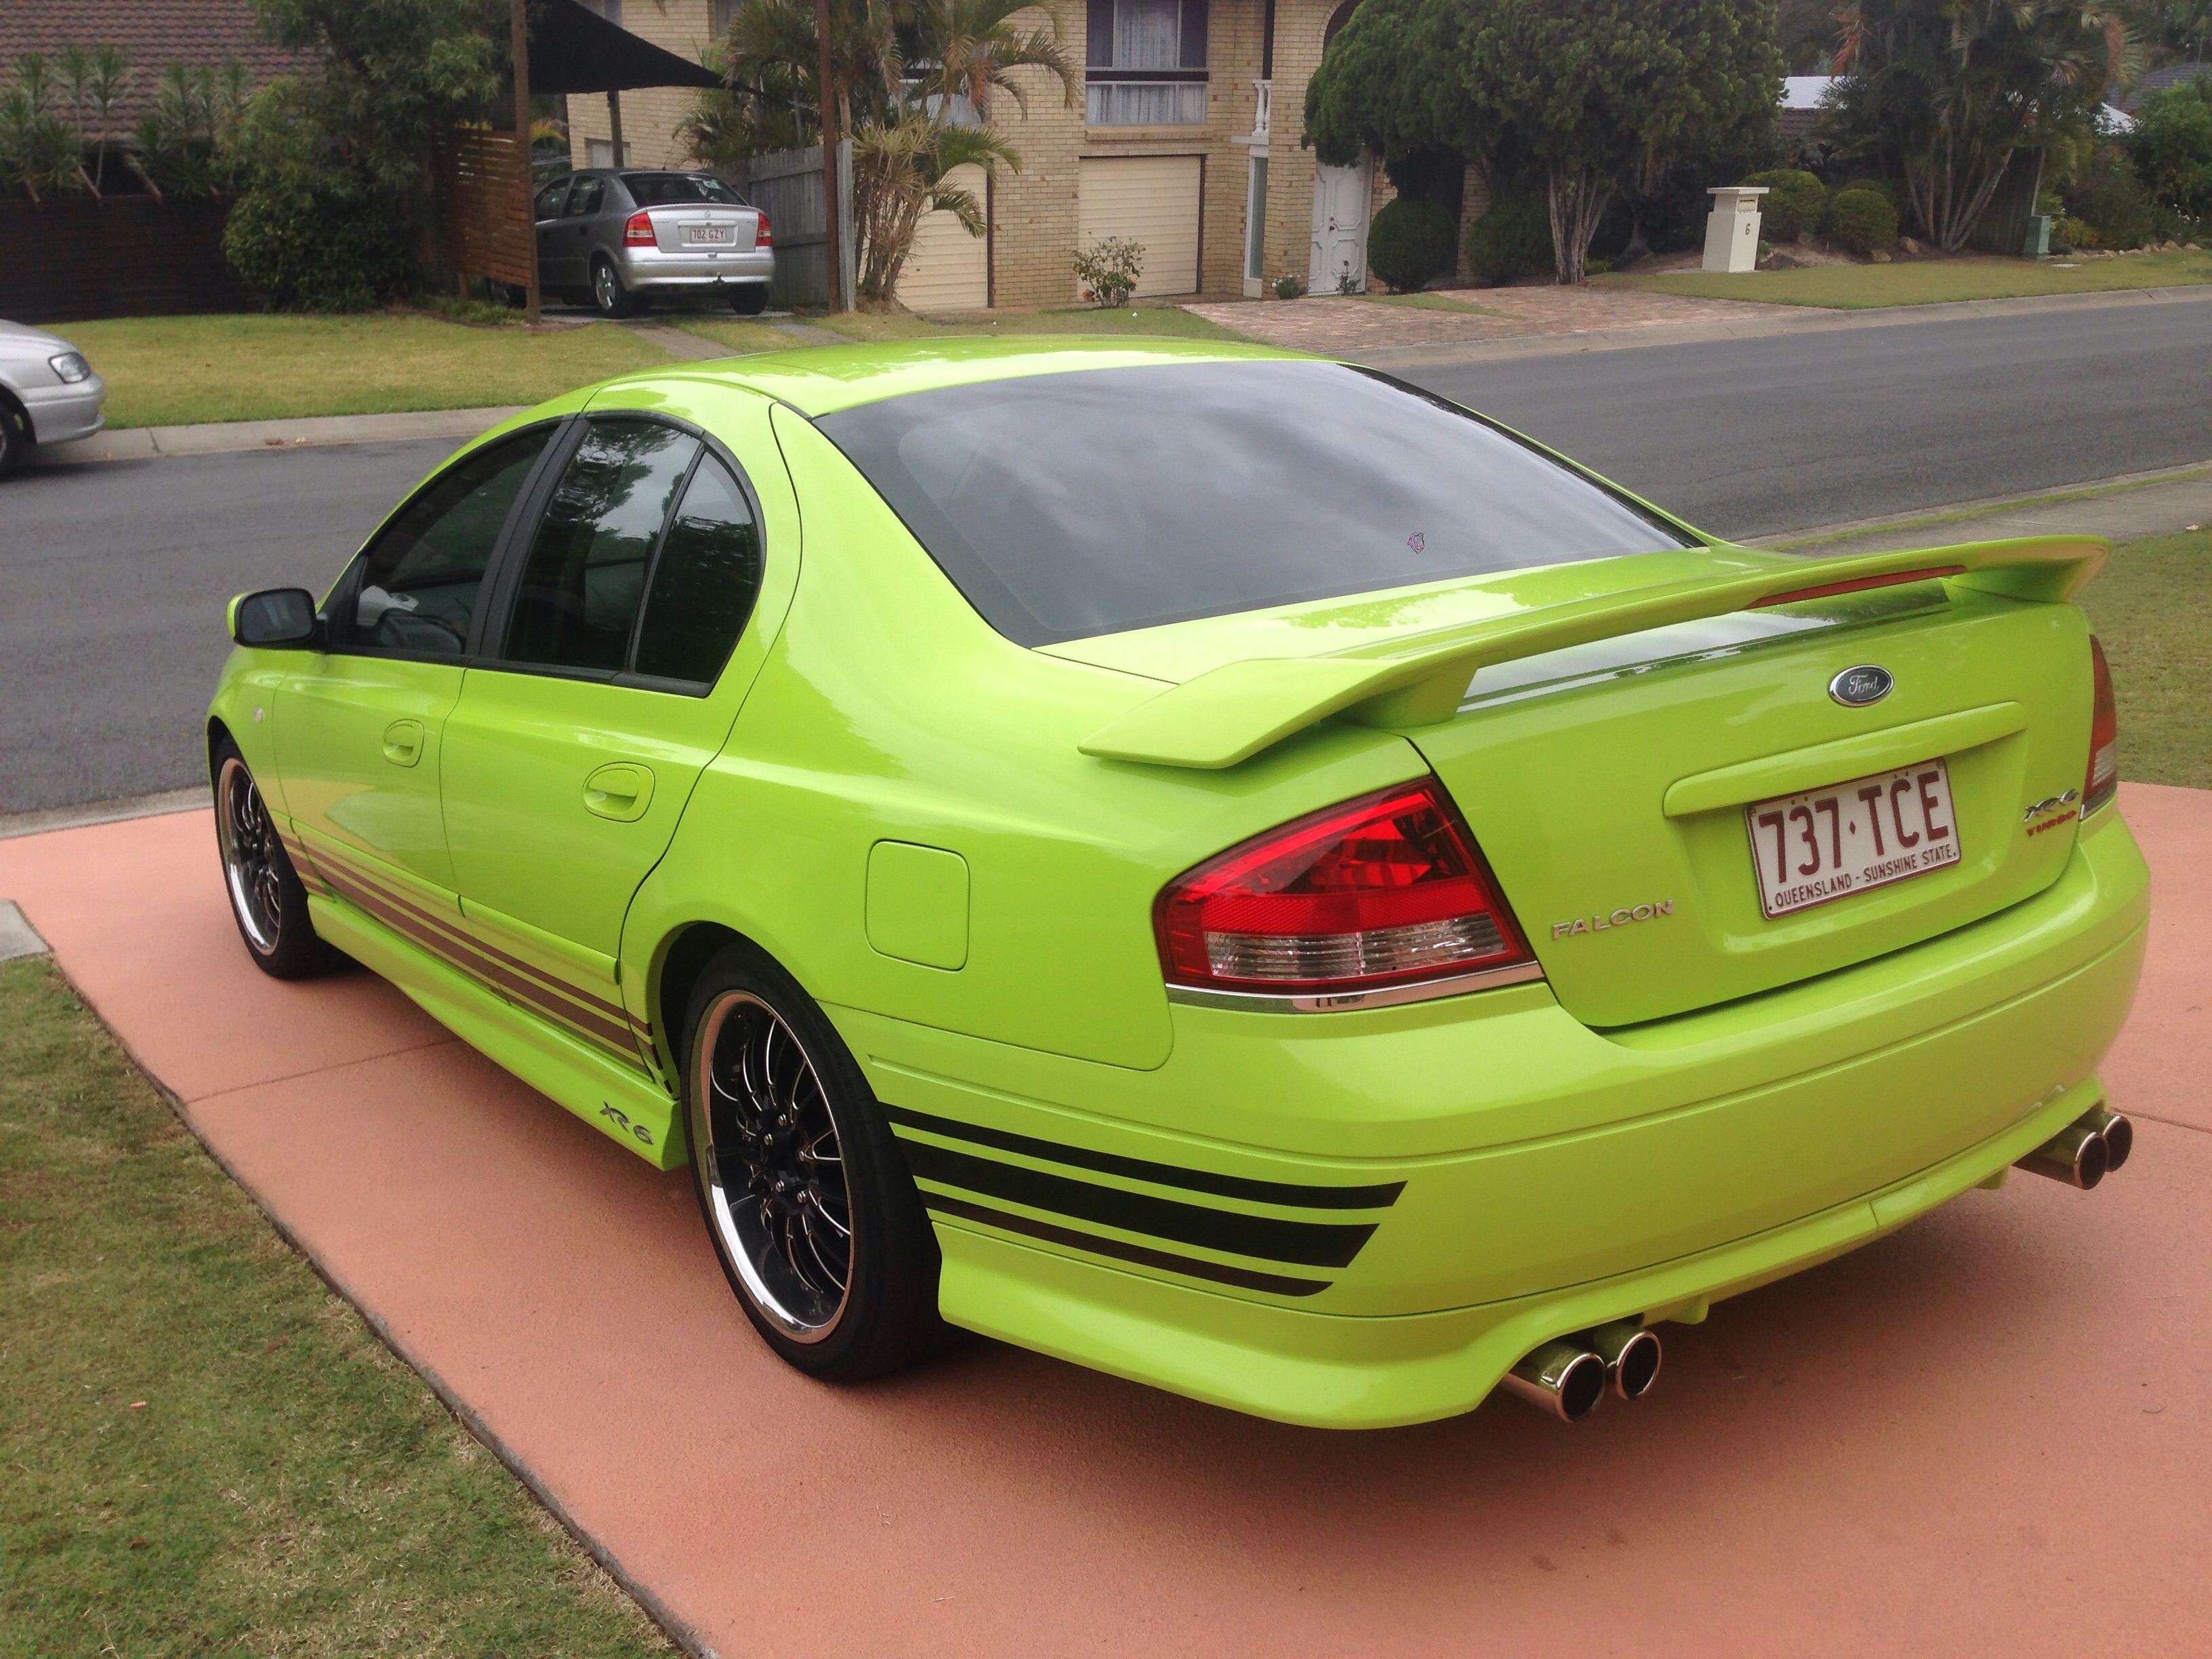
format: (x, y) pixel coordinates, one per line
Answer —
(774, 1171)
(250, 855)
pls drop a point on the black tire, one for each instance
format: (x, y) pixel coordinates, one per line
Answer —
(266, 899)
(756, 1044)
(14, 438)
(611, 299)
(749, 299)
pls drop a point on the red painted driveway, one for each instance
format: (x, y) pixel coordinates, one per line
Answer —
(1990, 1433)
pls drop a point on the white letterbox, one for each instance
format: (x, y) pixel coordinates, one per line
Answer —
(1732, 228)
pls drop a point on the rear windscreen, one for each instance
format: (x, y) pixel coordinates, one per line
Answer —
(1087, 502)
(658, 188)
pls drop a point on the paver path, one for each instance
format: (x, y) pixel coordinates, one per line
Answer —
(1990, 1433)
(1344, 324)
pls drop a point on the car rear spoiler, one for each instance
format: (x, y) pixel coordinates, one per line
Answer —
(1230, 713)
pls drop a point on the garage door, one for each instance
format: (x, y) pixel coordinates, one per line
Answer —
(948, 270)
(1152, 199)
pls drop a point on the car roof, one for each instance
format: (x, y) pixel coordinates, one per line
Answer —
(822, 379)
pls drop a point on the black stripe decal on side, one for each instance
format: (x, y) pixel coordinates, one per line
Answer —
(945, 1204)
(1379, 1196)
(492, 975)
(1309, 1243)
(546, 976)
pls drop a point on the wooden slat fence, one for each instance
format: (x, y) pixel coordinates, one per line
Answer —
(78, 259)
(484, 220)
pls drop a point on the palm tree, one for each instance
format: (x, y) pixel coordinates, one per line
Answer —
(902, 69)
(1946, 91)
(968, 49)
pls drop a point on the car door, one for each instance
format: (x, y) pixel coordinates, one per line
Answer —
(577, 739)
(545, 209)
(359, 723)
(571, 239)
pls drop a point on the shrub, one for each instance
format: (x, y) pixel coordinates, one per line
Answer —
(1795, 202)
(1108, 270)
(302, 248)
(1861, 220)
(2172, 146)
(1289, 286)
(1510, 241)
(1409, 242)
(1881, 187)
(2109, 197)
(2072, 234)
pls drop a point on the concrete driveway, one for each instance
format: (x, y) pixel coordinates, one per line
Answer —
(1990, 1433)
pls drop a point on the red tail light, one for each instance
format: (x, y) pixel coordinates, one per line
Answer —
(2103, 781)
(763, 237)
(637, 230)
(1378, 892)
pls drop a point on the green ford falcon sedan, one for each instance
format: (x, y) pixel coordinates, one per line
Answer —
(1206, 862)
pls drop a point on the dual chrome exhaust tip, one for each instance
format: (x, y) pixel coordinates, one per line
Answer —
(2086, 1150)
(1567, 1378)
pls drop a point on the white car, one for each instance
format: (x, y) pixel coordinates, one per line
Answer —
(48, 392)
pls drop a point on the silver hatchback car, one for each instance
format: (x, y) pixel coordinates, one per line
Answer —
(614, 237)
(48, 392)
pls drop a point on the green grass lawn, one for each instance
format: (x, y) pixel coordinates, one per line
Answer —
(1919, 282)
(165, 371)
(2149, 607)
(864, 325)
(205, 1451)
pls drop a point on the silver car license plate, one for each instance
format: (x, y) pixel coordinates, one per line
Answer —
(699, 235)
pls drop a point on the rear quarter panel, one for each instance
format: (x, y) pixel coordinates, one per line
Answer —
(887, 710)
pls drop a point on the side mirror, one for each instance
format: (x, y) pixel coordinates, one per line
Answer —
(276, 617)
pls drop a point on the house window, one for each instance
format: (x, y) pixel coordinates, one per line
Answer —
(599, 152)
(609, 9)
(720, 13)
(1146, 63)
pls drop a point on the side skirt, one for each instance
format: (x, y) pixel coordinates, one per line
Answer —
(617, 1100)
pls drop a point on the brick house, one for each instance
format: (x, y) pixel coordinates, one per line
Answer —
(1174, 142)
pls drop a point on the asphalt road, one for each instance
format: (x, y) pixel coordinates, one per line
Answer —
(112, 580)
(1759, 436)
(113, 577)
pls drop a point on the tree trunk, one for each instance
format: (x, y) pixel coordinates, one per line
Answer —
(1577, 201)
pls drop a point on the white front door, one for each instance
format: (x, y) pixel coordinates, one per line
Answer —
(1340, 228)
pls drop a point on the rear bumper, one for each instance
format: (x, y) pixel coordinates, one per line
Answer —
(1553, 1177)
(59, 413)
(650, 268)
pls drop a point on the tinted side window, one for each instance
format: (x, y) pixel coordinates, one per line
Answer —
(550, 197)
(585, 574)
(704, 582)
(420, 580)
(586, 198)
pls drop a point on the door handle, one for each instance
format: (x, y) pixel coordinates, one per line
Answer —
(621, 792)
(403, 742)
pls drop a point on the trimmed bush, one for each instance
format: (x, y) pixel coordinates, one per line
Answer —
(1510, 241)
(1794, 201)
(1289, 286)
(1881, 187)
(304, 248)
(1861, 220)
(1409, 242)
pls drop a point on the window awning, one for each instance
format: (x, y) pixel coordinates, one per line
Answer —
(572, 50)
